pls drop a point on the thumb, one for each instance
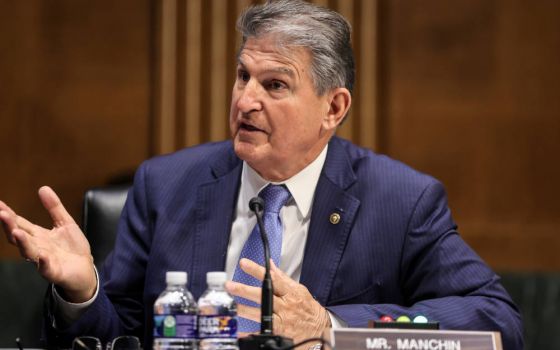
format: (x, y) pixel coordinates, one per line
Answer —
(54, 206)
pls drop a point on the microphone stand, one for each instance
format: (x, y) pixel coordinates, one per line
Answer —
(266, 340)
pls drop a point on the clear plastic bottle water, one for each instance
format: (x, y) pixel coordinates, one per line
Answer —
(175, 315)
(217, 315)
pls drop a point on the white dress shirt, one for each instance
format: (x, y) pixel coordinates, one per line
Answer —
(295, 215)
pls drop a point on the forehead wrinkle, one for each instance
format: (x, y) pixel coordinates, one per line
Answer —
(283, 69)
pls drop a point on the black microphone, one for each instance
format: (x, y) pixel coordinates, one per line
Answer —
(265, 340)
(256, 204)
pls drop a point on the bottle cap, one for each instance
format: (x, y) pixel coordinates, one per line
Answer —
(216, 277)
(176, 277)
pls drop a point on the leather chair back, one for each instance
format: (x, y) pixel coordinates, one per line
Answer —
(102, 210)
(537, 294)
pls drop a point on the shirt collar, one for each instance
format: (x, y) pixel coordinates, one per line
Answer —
(301, 186)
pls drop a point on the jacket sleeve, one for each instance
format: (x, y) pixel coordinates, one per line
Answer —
(442, 278)
(118, 308)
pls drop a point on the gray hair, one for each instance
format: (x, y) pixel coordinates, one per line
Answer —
(298, 23)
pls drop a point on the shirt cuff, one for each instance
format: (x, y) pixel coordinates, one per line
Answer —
(65, 312)
(336, 322)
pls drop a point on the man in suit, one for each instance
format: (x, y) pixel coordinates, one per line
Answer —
(363, 235)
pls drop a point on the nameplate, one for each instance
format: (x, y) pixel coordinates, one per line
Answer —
(406, 339)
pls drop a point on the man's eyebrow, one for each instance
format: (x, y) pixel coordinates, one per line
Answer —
(281, 70)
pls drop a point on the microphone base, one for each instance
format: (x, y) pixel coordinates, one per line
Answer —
(264, 342)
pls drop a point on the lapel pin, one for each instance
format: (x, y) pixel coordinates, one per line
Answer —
(335, 218)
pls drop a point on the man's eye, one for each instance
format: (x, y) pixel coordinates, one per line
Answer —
(276, 85)
(243, 75)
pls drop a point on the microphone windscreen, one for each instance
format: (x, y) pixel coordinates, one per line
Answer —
(256, 204)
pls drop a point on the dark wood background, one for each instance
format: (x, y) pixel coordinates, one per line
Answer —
(465, 90)
(471, 94)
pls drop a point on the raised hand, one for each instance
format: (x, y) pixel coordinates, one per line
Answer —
(62, 254)
(297, 314)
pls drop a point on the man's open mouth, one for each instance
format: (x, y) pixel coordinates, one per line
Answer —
(249, 127)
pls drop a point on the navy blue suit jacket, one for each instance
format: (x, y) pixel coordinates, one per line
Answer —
(394, 252)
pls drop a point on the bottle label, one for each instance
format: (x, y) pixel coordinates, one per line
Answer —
(175, 326)
(217, 326)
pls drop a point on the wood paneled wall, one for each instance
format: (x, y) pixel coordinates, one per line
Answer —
(463, 90)
(470, 94)
(75, 98)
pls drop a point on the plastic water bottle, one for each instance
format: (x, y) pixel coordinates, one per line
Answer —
(175, 315)
(217, 315)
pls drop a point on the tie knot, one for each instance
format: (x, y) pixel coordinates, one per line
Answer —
(274, 196)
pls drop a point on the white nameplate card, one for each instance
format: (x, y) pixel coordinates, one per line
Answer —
(411, 339)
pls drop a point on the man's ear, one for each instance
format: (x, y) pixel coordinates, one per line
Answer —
(339, 100)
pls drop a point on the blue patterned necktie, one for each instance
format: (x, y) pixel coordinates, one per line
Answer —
(274, 196)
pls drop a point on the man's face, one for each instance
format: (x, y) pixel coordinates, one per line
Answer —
(277, 120)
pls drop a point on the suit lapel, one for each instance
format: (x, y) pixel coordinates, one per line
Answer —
(327, 238)
(216, 203)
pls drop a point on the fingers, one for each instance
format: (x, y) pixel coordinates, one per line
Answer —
(26, 247)
(252, 268)
(283, 284)
(26, 225)
(54, 206)
(244, 291)
(249, 312)
(7, 225)
(5, 207)
(11, 221)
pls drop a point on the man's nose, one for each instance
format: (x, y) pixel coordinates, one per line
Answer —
(249, 99)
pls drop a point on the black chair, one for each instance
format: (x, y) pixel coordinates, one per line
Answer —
(537, 294)
(102, 210)
(21, 304)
